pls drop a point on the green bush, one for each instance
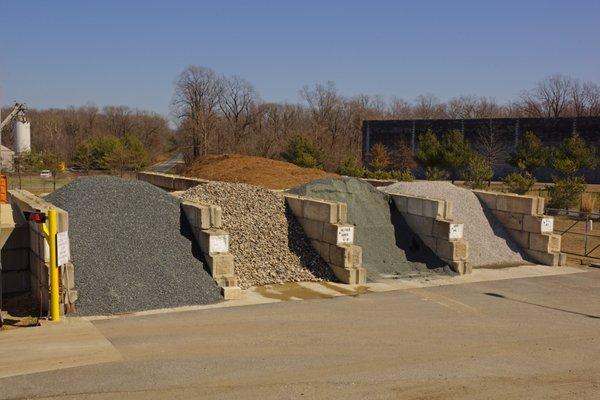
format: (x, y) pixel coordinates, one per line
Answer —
(351, 167)
(519, 183)
(566, 193)
(435, 174)
(477, 173)
(379, 158)
(403, 175)
(456, 153)
(530, 154)
(378, 175)
(303, 152)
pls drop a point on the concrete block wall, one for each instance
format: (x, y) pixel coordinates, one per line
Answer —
(31, 246)
(524, 219)
(326, 225)
(170, 182)
(432, 220)
(206, 223)
(14, 237)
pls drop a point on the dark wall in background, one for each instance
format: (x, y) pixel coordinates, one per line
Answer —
(552, 131)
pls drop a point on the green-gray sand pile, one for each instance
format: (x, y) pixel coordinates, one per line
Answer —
(389, 246)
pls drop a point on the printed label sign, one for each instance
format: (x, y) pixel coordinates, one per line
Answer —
(218, 244)
(63, 248)
(547, 225)
(345, 235)
(456, 231)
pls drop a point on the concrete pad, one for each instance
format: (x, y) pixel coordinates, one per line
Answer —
(70, 343)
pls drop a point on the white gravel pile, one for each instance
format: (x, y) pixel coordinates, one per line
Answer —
(268, 244)
(489, 243)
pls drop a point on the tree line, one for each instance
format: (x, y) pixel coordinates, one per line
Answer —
(217, 113)
(214, 113)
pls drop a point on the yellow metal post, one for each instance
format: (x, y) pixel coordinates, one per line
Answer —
(50, 233)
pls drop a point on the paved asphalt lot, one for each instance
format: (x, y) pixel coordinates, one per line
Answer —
(528, 338)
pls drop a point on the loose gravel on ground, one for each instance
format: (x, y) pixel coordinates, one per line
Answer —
(268, 244)
(489, 243)
(130, 249)
(390, 249)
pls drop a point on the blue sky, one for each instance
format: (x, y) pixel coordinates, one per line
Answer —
(61, 53)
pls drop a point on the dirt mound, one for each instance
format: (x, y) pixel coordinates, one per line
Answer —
(258, 171)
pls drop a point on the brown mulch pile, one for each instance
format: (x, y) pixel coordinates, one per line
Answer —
(258, 171)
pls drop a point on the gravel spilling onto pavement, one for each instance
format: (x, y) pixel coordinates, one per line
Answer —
(130, 249)
(268, 244)
(389, 246)
(489, 243)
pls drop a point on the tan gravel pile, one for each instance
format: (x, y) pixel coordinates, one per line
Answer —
(268, 244)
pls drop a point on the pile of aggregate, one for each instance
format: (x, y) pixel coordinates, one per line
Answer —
(389, 246)
(268, 244)
(130, 249)
(489, 243)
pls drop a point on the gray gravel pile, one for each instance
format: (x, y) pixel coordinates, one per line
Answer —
(489, 243)
(130, 249)
(389, 246)
(268, 244)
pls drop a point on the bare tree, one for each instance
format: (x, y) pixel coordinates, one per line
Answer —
(550, 98)
(428, 107)
(196, 105)
(400, 109)
(238, 103)
(491, 146)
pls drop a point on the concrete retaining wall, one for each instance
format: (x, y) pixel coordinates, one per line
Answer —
(432, 220)
(170, 182)
(524, 219)
(326, 225)
(26, 254)
(205, 222)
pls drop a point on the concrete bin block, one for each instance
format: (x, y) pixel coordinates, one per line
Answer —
(538, 224)
(447, 230)
(434, 208)
(541, 206)
(296, 205)
(189, 210)
(401, 203)
(320, 211)
(462, 267)
(312, 228)
(342, 213)
(414, 206)
(487, 198)
(216, 217)
(517, 204)
(214, 241)
(545, 258)
(544, 242)
(350, 276)
(510, 220)
(455, 250)
(521, 237)
(345, 256)
(231, 292)
(338, 233)
(422, 226)
(322, 249)
(18, 238)
(220, 264)
(69, 296)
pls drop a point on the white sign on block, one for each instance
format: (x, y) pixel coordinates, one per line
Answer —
(547, 225)
(63, 248)
(345, 235)
(218, 244)
(456, 231)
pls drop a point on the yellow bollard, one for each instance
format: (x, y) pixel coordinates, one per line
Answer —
(50, 230)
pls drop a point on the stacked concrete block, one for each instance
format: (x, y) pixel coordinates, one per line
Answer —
(170, 182)
(207, 227)
(34, 249)
(432, 220)
(14, 239)
(326, 225)
(524, 219)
